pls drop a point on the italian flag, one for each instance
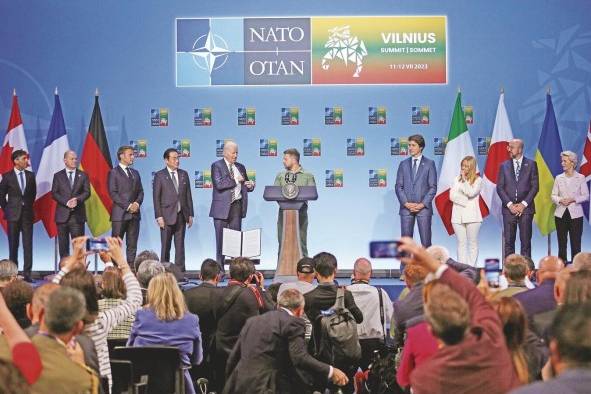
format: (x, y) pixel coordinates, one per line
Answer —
(459, 145)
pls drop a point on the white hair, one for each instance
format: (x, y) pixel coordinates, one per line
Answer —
(572, 156)
(439, 253)
(230, 144)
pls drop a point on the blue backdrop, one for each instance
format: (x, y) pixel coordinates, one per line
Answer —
(127, 50)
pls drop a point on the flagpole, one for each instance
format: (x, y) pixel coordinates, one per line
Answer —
(549, 91)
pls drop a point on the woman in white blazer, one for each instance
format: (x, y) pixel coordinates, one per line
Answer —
(569, 191)
(465, 216)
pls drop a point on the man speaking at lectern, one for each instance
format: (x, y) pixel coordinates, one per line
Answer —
(294, 173)
(229, 195)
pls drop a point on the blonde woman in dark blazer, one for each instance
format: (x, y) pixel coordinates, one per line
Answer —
(569, 191)
(466, 217)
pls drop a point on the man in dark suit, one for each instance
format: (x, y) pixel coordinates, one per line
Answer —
(18, 190)
(270, 355)
(244, 297)
(517, 186)
(173, 207)
(416, 185)
(127, 193)
(200, 301)
(229, 201)
(70, 188)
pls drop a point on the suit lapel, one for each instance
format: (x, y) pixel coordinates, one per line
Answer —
(18, 184)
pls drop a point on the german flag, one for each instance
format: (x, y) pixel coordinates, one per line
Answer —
(96, 161)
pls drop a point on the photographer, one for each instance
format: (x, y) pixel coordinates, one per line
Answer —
(243, 298)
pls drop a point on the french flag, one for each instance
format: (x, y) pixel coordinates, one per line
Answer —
(52, 161)
(13, 140)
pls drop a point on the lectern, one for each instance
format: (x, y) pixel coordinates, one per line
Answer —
(290, 250)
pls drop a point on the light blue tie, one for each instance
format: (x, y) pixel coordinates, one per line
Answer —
(414, 168)
(22, 179)
(71, 176)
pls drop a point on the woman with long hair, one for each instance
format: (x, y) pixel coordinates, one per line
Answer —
(165, 320)
(466, 217)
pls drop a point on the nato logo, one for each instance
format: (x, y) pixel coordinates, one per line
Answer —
(243, 51)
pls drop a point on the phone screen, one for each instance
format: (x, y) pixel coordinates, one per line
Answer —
(385, 249)
(492, 270)
(96, 245)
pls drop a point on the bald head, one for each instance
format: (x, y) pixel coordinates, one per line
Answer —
(70, 159)
(560, 285)
(549, 267)
(40, 297)
(362, 269)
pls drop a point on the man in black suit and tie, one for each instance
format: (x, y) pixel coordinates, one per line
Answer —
(18, 190)
(173, 207)
(271, 357)
(70, 188)
(517, 186)
(127, 193)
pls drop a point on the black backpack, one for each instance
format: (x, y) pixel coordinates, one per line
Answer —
(336, 342)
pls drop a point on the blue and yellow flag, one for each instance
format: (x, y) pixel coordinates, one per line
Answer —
(548, 160)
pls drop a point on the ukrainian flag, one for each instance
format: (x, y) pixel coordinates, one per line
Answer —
(548, 160)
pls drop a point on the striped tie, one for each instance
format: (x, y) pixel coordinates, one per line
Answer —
(231, 168)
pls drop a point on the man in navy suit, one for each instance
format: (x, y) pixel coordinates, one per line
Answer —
(70, 188)
(127, 193)
(18, 190)
(229, 201)
(173, 207)
(416, 185)
(517, 186)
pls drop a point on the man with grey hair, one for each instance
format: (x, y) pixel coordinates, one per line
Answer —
(8, 272)
(146, 271)
(569, 192)
(515, 271)
(517, 186)
(441, 254)
(70, 189)
(271, 355)
(582, 261)
(376, 310)
(61, 322)
(230, 190)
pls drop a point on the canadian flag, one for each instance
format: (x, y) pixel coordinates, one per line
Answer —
(497, 154)
(13, 140)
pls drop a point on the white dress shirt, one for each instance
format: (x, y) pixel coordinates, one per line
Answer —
(235, 174)
(570, 187)
(18, 178)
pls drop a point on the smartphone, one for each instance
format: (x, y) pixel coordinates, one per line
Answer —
(492, 271)
(385, 249)
(96, 245)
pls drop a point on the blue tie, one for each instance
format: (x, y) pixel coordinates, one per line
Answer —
(22, 179)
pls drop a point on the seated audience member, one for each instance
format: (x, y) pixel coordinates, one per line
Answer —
(35, 311)
(200, 301)
(166, 321)
(143, 256)
(113, 294)
(273, 290)
(8, 272)
(20, 363)
(323, 298)
(473, 356)
(371, 331)
(525, 347)
(582, 261)
(17, 295)
(578, 287)
(515, 271)
(97, 325)
(570, 353)
(419, 345)
(270, 355)
(244, 297)
(409, 310)
(541, 299)
(305, 273)
(145, 272)
(441, 254)
(61, 322)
